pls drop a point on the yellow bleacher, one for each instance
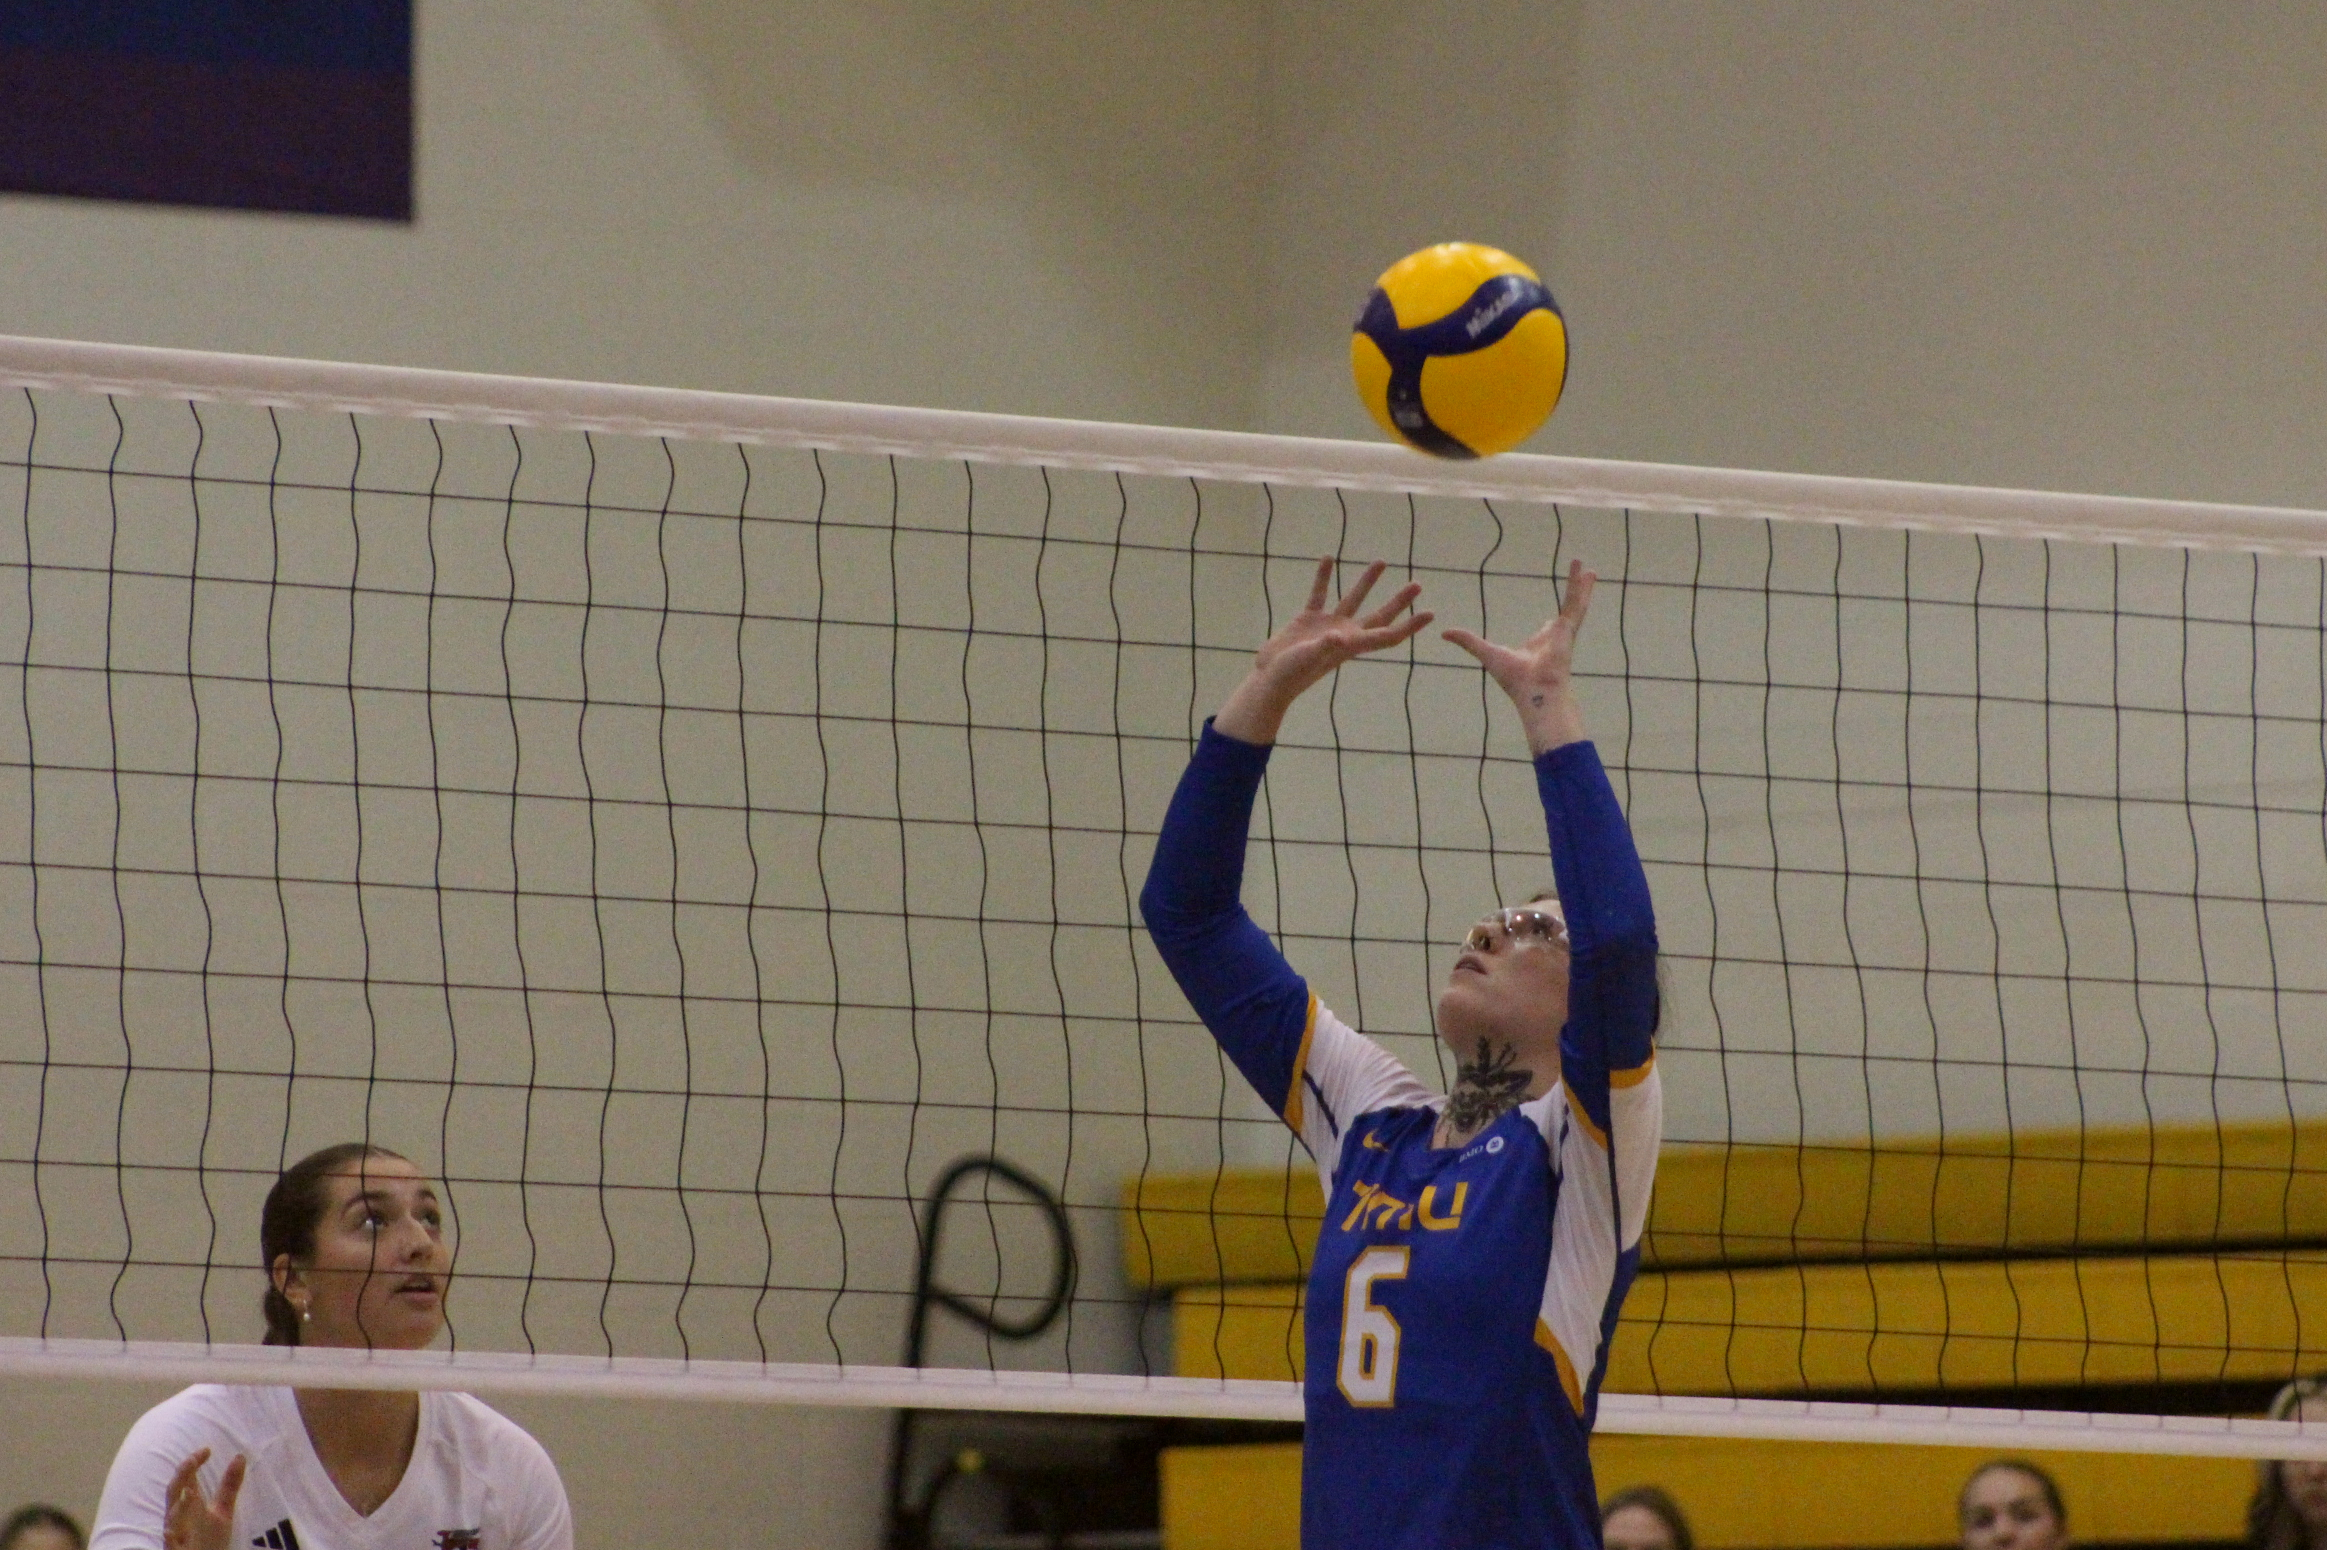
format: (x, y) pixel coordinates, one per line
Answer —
(2039, 1192)
(2053, 1259)
(2045, 1192)
(1983, 1324)
(1760, 1494)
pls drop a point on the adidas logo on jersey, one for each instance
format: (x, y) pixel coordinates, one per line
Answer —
(281, 1537)
(459, 1538)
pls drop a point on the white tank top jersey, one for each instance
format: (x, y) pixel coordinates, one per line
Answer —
(477, 1481)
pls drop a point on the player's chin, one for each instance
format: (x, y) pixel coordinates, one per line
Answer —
(406, 1321)
(1462, 1005)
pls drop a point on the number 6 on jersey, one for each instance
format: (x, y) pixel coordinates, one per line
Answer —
(1369, 1336)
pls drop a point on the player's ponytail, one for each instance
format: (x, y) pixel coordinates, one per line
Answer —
(287, 1224)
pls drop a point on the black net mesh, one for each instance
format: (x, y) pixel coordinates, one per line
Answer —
(688, 852)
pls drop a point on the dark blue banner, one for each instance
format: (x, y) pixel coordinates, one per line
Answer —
(301, 105)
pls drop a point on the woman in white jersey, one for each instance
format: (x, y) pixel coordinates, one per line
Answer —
(354, 1246)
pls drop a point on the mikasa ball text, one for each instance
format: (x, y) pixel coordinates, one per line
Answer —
(1460, 351)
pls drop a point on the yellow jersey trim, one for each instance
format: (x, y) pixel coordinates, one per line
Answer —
(1567, 1369)
(1294, 1108)
(1634, 1077)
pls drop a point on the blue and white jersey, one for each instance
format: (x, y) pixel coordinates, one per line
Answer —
(1460, 1302)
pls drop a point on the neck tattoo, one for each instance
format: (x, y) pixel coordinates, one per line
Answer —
(1487, 1085)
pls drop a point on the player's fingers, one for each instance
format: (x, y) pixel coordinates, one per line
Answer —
(1392, 634)
(1578, 601)
(230, 1487)
(1466, 640)
(1501, 662)
(1396, 605)
(1321, 583)
(1354, 598)
(183, 1481)
(1582, 583)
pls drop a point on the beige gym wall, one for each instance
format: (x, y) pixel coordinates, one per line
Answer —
(2049, 245)
(1041, 207)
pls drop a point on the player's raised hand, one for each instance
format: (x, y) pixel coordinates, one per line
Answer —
(192, 1520)
(1310, 645)
(1325, 634)
(1538, 672)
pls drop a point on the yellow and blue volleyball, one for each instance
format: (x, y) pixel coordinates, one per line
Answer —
(1460, 351)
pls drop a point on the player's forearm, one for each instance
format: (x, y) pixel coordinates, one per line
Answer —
(1255, 710)
(1612, 991)
(1603, 889)
(1551, 718)
(1232, 974)
(1198, 869)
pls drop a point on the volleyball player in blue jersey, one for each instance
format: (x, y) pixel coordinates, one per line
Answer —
(1476, 1246)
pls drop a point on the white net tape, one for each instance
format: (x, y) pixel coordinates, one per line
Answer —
(1139, 449)
(1049, 1393)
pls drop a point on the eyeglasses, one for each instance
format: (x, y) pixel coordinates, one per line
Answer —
(1519, 927)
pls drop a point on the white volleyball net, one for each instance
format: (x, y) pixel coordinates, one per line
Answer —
(689, 826)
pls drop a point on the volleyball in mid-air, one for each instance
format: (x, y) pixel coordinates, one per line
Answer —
(1460, 350)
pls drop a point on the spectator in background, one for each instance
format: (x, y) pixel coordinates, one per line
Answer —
(2289, 1510)
(2010, 1504)
(1641, 1517)
(41, 1527)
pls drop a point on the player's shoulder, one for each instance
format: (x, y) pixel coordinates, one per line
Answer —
(478, 1433)
(238, 1408)
(1361, 1068)
(223, 1417)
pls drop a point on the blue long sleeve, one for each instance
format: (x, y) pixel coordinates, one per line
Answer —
(1230, 971)
(1612, 992)
(1258, 1007)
